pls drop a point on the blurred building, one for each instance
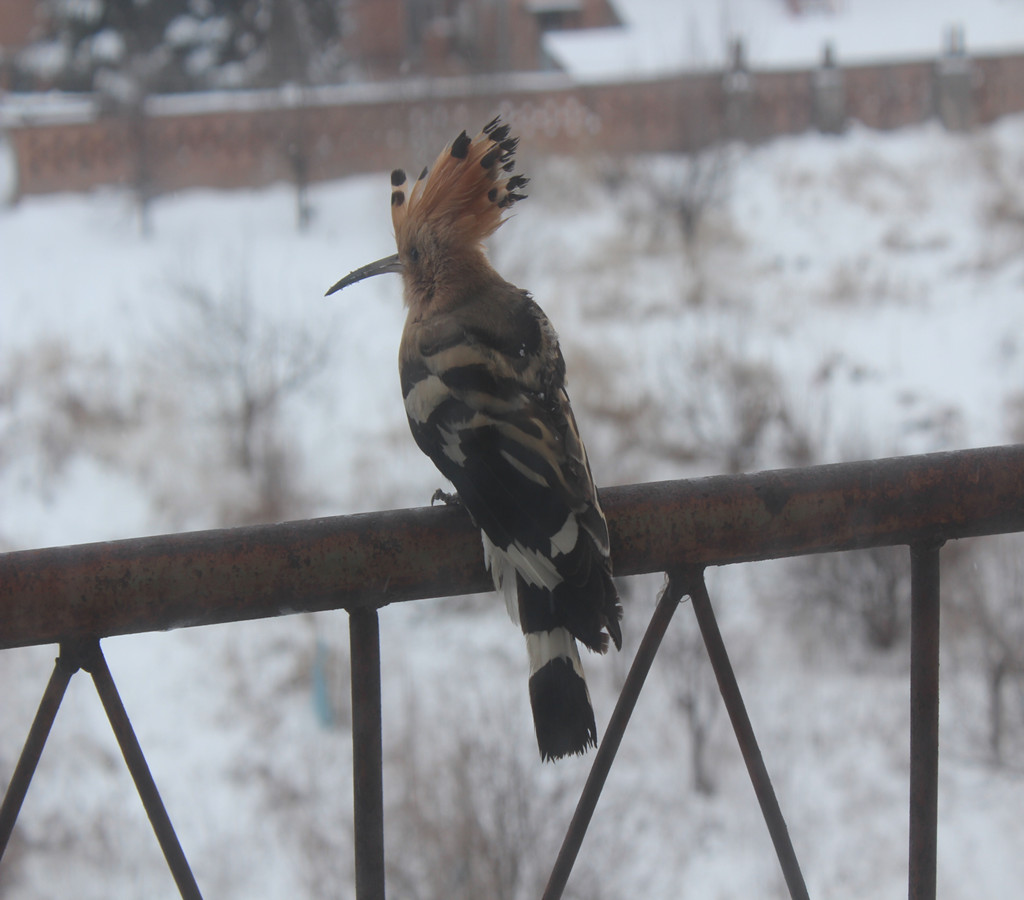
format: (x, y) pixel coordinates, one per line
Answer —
(19, 26)
(178, 46)
(449, 37)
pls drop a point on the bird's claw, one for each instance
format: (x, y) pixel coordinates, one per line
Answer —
(447, 499)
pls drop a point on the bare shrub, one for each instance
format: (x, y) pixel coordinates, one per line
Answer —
(983, 599)
(867, 591)
(613, 415)
(725, 411)
(712, 404)
(1003, 207)
(697, 186)
(694, 692)
(55, 403)
(297, 773)
(471, 816)
(867, 281)
(682, 196)
(14, 855)
(240, 370)
(11, 874)
(879, 185)
(1014, 413)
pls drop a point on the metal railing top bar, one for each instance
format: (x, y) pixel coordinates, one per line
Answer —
(370, 560)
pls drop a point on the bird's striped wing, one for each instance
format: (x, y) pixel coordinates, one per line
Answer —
(487, 404)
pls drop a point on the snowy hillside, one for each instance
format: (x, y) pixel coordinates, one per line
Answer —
(829, 298)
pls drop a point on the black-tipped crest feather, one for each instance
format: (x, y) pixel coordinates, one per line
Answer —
(460, 146)
(499, 134)
(466, 191)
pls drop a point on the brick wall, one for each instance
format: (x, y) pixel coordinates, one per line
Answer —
(18, 22)
(999, 87)
(327, 133)
(889, 96)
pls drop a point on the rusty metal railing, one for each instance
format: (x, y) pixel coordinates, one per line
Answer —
(74, 596)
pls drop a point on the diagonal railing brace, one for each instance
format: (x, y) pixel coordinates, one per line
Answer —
(684, 582)
(737, 710)
(86, 654)
(605, 756)
(63, 668)
(94, 663)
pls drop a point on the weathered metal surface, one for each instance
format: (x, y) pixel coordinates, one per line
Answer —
(208, 577)
(369, 560)
(924, 720)
(367, 754)
(790, 512)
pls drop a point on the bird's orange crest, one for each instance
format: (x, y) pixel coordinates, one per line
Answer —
(466, 192)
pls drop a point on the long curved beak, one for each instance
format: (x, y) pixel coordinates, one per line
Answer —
(380, 267)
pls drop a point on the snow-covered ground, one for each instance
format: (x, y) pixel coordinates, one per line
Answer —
(854, 296)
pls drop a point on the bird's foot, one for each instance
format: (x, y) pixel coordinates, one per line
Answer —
(447, 499)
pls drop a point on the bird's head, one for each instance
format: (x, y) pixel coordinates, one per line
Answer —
(442, 219)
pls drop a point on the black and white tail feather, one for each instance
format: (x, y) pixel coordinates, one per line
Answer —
(483, 380)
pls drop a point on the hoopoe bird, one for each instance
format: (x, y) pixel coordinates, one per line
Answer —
(484, 385)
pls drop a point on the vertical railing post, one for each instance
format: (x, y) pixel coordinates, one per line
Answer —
(367, 753)
(924, 719)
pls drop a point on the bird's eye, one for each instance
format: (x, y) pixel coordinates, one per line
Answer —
(414, 255)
